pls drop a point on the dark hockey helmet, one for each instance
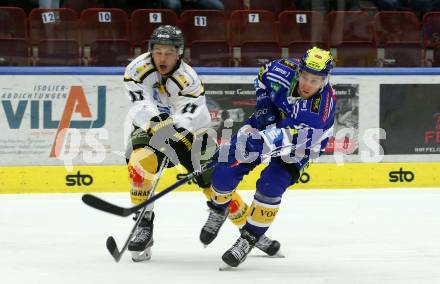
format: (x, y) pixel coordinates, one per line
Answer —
(317, 61)
(169, 35)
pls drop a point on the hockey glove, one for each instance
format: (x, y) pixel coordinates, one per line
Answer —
(182, 139)
(264, 117)
(252, 143)
(164, 131)
(162, 120)
(265, 113)
(248, 145)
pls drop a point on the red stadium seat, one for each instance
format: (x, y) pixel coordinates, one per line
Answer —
(80, 5)
(203, 25)
(53, 24)
(300, 27)
(431, 29)
(351, 36)
(252, 25)
(403, 55)
(103, 23)
(396, 27)
(144, 21)
(14, 52)
(210, 54)
(110, 53)
(349, 26)
(13, 23)
(58, 52)
(276, 6)
(259, 53)
(436, 56)
(356, 54)
(232, 5)
(297, 49)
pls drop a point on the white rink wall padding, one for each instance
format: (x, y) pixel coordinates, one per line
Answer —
(384, 236)
(90, 105)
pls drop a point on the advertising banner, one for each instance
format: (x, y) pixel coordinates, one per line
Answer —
(232, 101)
(67, 133)
(81, 120)
(55, 179)
(48, 120)
(410, 115)
(236, 101)
(345, 139)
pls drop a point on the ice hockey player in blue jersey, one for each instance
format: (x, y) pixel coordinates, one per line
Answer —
(291, 125)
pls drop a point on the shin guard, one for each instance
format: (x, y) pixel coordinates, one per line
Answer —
(261, 215)
(238, 210)
(220, 199)
(142, 168)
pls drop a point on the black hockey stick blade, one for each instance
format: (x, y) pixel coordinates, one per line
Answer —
(101, 204)
(113, 248)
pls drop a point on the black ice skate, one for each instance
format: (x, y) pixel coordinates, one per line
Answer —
(239, 251)
(140, 245)
(269, 246)
(215, 220)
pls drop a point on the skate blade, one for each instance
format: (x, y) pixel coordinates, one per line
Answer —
(277, 255)
(226, 267)
(139, 256)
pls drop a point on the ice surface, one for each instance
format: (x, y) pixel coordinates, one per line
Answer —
(328, 236)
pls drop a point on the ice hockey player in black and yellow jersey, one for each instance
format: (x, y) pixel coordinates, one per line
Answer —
(169, 114)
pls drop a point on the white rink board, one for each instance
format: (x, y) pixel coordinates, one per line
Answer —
(34, 106)
(332, 237)
(31, 141)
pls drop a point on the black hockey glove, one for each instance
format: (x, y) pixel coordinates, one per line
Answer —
(165, 132)
(158, 122)
(182, 139)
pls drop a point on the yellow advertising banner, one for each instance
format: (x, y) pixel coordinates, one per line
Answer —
(56, 179)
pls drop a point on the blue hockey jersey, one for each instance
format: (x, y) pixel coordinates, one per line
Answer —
(279, 105)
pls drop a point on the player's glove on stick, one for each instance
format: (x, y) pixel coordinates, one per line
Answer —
(252, 143)
(171, 140)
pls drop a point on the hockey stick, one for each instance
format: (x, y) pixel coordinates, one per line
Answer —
(111, 245)
(103, 205)
(108, 207)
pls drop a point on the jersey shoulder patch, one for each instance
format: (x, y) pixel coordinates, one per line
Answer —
(278, 76)
(289, 63)
(187, 81)
(139, 69)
